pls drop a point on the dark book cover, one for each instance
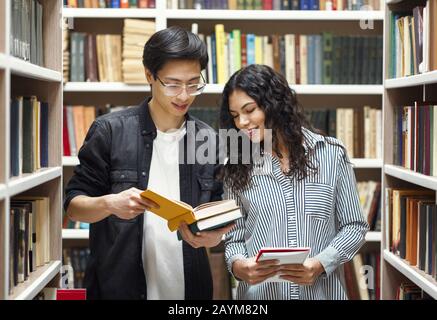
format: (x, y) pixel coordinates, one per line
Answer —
(15, 137)
(44, 135)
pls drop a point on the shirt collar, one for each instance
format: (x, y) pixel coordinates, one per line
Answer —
(311, 139)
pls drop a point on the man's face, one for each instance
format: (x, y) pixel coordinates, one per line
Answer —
(178, 72)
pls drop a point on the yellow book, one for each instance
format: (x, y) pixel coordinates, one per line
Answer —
(218, 213)
(220, 39)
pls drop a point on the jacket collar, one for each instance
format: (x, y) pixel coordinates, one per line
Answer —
(147, 126)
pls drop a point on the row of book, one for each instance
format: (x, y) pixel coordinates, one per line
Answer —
(95, 57)
(29, 135)
(76, 122)
(370, 198)
(29, 237)
(303, 59)
(26, 37)
(362, 276)
(104, 57)
(76, 258)
(413, 232)
(327, 5)
(413, 46)
(114, 4)
(359, 129)
(409, 291)
(415, 142)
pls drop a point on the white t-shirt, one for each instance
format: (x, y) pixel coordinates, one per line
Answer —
(162, 251)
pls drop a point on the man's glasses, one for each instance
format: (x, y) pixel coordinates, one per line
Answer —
(173, 89)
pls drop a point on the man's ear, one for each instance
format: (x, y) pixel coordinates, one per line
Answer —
(149, 76)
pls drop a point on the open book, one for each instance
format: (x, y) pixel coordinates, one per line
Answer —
(284, 255)
(207, 216)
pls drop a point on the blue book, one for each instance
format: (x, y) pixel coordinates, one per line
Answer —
(304, 4)
(115, 4)
(314, 4)
(250, 40)
(15, 134)
(213, 58)
(311, 60)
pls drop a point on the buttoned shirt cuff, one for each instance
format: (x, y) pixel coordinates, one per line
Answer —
(231, 260)
(330, 260)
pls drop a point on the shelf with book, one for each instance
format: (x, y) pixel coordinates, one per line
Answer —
(29, 70)
(411, 176)
(315, 15)
(109, 13)
(28, 181)
(411, 81)
(37, 281)
(409, 86)
(20, 78)
(75, 234)
(420, 278)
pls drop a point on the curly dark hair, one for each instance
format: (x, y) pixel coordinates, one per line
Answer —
(283, 115)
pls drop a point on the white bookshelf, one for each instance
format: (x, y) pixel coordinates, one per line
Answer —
(70, 161)
(321, 89)
(75, 234)
(21, 78)
(109, 13)
(104, 87)
(28, 181)
(401, 92)
(366, 163)
(261, 22)
(2, 191)
(411, 176)
(420, 278)
(373, 236)
(411, 81)
(3, 61)
(37, 281)
(307, 15)
(29, 70)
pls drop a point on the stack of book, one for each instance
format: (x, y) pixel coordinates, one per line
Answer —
(29, 139)
(302, 59)
(359, 129)
(413, 49)
(29, 237)
(135, 35)
(77, 121)
(26, 38)
(328, 5)
(113, 4)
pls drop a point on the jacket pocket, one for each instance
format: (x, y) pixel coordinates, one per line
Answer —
(206, 186)
(319, 200)
(123, 179)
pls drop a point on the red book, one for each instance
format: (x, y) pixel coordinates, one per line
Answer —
(243, 50)
(71, 294)
(66, 141)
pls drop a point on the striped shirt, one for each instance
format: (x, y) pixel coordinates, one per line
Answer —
(322, 212)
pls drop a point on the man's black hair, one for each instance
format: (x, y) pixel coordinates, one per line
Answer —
(173, 43)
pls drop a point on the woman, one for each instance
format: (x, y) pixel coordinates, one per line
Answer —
(305, 195)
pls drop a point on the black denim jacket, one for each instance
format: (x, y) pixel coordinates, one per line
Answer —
(116, 156)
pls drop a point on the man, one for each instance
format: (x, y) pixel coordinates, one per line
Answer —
(133, 254)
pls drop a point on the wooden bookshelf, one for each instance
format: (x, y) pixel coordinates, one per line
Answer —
(22, 78)
(403, 91)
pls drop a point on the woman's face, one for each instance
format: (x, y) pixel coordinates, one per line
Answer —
(247, 115)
